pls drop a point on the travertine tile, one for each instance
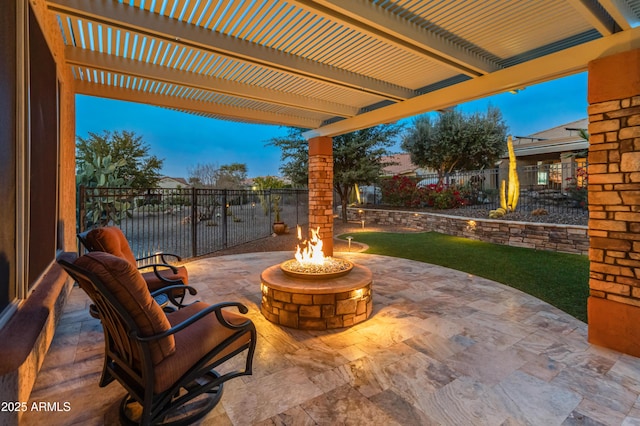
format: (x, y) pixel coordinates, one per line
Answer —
(534, 401)
(464, 401)
(442, 348)
(346, 406)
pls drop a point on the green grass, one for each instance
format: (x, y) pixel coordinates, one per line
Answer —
(559, 279)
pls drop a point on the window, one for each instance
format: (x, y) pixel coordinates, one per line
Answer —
(28, 154)
(43, 154)
(8, 30)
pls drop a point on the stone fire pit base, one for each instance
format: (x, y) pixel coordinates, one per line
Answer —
(316, 305)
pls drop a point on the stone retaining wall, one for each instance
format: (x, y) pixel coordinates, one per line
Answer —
(540, 236)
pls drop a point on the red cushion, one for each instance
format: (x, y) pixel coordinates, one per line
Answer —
(126, 284)
(110, 239)
(155, 283)
(195, 341)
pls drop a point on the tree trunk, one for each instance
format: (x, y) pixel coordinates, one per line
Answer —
(344, 211)
(344, 200)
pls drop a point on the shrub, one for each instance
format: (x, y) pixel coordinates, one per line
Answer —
(577, 188)
(441, 196)
(400, 191)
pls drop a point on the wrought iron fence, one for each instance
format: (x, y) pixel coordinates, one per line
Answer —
(556, 188)
(189, 222)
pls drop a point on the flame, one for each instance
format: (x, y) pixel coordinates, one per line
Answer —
(312, 253)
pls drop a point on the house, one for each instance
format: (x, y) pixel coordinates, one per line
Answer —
(551, 145)
(551, 157)
(167, 182)
(403, 166)
(390, 62)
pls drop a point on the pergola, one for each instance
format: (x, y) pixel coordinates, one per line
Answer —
(329, 66)
(335, 66)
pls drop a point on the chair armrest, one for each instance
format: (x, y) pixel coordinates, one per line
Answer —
(217, 309)
(159, 265)
(162, 257)
(168, 290)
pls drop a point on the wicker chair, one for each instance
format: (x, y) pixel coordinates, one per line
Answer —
(165, 361)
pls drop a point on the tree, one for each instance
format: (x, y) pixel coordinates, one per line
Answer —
(262, 184)
(357, 158)
(231, 176)
(227, 176)
(456, 141)
(202, 175)
(268, 182)
(295, 156)
(140, 168)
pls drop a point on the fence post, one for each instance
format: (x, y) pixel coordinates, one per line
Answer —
(194, 222)
(270, 207)
(224, 219)
(81, 208)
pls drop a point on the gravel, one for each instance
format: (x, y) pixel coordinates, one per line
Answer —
(581, 218)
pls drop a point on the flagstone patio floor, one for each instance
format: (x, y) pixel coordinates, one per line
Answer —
(441, 347)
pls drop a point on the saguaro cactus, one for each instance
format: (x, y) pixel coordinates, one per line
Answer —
(508, 195)
(513, 192)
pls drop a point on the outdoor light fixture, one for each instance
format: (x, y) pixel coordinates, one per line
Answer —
(349, 239)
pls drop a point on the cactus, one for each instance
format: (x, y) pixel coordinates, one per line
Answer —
(509, 197)
(102, 209)
(514, 182)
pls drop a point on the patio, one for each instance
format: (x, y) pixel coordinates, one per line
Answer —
(441, 347)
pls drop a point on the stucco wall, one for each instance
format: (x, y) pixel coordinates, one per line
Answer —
(30, 329)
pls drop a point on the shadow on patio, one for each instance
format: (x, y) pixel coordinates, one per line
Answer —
(442, 347)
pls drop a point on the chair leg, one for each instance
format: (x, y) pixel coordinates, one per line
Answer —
(181, 409)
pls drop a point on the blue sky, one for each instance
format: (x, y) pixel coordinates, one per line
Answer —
(184, 140)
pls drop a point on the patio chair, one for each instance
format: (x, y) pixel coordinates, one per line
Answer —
(165, 361)
(112, 240)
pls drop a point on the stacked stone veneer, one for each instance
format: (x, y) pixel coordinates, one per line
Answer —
(614, 201)
(316, 305)
(321, 190)
(540, 236)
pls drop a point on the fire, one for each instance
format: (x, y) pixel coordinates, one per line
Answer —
(312, 253)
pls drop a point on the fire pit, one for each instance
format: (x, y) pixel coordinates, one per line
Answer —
(331, 268)
(316, 292)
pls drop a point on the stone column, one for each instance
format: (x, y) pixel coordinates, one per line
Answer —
(568, 170)
(321, 190)
(614, 202)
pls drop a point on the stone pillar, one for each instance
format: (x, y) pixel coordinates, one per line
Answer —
(568, 171)
(321, 190)
(614, 202)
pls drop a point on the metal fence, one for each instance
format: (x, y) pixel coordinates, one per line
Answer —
(190, 222)
(556, 188)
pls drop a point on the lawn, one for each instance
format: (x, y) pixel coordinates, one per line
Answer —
(560, 279)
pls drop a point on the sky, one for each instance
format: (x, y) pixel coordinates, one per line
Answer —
(185, 140)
